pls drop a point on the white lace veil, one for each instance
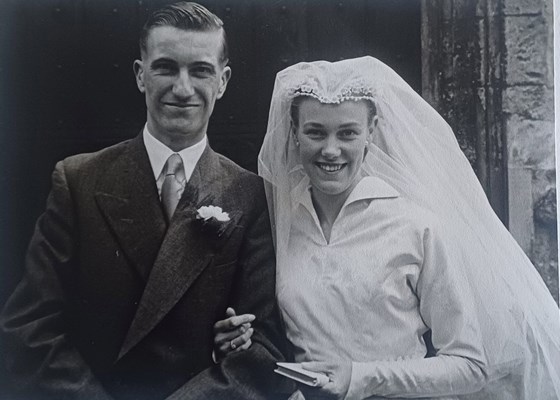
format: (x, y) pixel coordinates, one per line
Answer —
(416, 152)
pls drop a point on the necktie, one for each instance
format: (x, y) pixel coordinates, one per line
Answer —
(173, 184)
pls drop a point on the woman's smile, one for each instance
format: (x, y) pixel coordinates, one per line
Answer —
(330, 168)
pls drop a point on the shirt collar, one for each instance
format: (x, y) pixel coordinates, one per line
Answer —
(158, 153)
(368, 188)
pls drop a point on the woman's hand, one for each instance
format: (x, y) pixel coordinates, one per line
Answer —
(233, 333)
(339, 374)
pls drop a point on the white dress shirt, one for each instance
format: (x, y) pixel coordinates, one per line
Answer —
(158, 153)
(369, 295)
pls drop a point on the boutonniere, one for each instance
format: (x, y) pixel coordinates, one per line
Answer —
(213, 218)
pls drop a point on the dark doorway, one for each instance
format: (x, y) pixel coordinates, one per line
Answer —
(67, 86)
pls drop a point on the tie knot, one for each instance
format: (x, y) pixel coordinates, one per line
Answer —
(174, 166)
(173, 184)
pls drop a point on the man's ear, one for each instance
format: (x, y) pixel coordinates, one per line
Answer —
(224, 79)
(138, 68)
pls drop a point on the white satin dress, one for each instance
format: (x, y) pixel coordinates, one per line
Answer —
(369, 295)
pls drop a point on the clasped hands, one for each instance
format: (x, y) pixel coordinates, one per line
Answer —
(234, 334)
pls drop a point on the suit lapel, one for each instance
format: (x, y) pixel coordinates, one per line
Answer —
(129, 201)
(184, 253)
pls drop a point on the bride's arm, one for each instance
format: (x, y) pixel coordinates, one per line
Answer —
(443, 375)
(446, 306)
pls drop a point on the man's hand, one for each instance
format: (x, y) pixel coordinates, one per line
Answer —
(233, 333)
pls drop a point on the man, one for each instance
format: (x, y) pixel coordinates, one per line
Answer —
(133, 262)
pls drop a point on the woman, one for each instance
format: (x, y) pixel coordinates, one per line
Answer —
(383, 233)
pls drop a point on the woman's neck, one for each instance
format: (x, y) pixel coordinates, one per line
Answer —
(328, 206)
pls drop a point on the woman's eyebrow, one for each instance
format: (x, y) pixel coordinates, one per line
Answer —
(349, 124)
(313, 124)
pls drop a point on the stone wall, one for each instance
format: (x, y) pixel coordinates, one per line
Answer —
(462, 78)
(528, 106)
(487, 67)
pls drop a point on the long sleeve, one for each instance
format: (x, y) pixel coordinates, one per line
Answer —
(446, 307)
(39, 353)
(249, 374)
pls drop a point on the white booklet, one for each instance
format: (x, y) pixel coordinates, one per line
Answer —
(296, 372)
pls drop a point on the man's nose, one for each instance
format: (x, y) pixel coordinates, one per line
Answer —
(183, 86)
(331, 147)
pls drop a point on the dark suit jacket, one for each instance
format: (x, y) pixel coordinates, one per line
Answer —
(116, 304)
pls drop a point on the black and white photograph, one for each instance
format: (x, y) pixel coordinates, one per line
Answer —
(279, 199)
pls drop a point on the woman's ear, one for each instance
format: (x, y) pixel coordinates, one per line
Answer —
(370, 134)
(372, 127)
(293, 133)
(369, 137)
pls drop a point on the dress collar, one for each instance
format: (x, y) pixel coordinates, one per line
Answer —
(368, 188)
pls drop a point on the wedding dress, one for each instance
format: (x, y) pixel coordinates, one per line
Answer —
(416, 246)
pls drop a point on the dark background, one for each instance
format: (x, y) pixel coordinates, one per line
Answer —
(66, 82)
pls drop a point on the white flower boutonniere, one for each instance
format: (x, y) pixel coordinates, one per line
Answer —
(213, 219)
(208, 212)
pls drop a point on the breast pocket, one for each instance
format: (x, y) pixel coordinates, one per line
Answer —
(222, 271)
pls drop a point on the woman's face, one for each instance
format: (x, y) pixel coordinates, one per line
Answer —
(332, 140)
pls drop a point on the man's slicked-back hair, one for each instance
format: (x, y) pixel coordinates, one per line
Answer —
(189, 17)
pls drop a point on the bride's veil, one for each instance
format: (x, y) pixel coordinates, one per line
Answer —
(415, 151)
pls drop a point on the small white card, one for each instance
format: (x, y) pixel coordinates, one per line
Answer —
(296, 372)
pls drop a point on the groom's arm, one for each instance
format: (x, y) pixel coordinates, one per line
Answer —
(38, 352)
(250, 373)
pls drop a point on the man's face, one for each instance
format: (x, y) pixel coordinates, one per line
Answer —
(182, 76)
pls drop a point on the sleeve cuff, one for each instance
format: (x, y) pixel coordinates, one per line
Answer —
(214, 358)
(358, 388)
(353, 388)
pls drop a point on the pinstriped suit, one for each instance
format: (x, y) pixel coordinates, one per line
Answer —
(116, 304)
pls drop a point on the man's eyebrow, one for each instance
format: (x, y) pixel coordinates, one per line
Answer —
(204, 64)
(162, 60)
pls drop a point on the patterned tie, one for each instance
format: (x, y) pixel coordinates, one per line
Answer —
(173, 184)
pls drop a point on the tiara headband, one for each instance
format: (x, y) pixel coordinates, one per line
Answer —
(330, 83)
(355, 90)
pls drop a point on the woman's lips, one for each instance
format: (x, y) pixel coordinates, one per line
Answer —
(330, 167)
